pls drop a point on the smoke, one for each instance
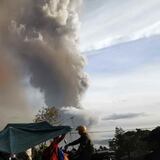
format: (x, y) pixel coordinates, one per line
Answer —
(41, 37)
(13, 104)
(76, 116)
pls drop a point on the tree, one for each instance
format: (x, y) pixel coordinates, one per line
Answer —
(129, 145)
(117, 142)
(49, 114)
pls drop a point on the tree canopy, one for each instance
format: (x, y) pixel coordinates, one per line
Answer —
(49, 114)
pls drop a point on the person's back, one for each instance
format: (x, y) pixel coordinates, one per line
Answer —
(85, 149)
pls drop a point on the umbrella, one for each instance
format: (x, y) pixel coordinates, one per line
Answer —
(16, 138)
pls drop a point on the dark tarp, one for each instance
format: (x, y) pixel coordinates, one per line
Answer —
(16, 138)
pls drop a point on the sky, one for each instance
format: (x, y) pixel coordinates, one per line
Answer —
(121, 41)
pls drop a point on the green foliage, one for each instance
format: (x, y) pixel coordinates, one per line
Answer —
(129, 144)
(49, 114)
(117, 143)
(154, 139)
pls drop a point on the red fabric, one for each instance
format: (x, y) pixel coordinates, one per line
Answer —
(54, 155)
(54, 147)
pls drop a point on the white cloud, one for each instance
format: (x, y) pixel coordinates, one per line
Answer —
(136, 92)
(146, 32)
(77, 116)
(153, 29)
(112, 22)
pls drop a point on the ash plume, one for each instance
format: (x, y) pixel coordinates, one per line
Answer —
(13, 104)
(76, 116)
(41, 36)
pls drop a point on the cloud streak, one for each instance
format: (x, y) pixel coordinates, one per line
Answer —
(118, 22)
(124, 57)
(116, 116)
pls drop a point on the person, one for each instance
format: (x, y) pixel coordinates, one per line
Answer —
(53, 152)
(13, 157)
(85, 149)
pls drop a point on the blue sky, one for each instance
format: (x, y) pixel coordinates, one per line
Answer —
(125, 57)
(121, 40)
(107, 22)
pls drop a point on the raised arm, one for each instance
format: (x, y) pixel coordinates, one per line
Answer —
(59, 139)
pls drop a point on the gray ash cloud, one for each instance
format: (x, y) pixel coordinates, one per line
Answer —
(41, 37)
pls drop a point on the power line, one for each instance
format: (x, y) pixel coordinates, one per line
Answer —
(109, 131)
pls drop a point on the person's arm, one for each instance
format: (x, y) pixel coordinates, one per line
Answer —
(75, 142)
(59, 139)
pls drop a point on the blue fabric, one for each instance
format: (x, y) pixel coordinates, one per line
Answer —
(60, 154)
